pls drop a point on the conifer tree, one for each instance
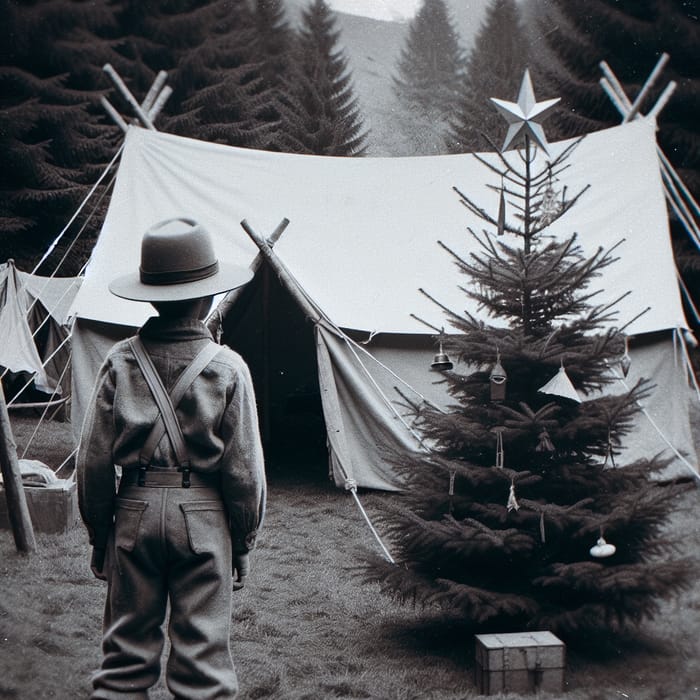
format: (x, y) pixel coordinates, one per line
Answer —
(273, 47)
(54, 142)
(319, 109)
(209, 49)
(500, 515)
(494, 68)
(431, 62)
(273, 40)
(55, 138)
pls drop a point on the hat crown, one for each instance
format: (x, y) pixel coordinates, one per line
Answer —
(176, 251)
(178, 262)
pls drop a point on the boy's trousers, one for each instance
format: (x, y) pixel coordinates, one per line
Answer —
(168, 544)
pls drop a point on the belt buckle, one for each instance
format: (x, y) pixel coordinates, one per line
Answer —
(143, 466)
(185, 469)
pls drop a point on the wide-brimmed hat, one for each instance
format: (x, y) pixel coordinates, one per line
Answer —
(177, 263)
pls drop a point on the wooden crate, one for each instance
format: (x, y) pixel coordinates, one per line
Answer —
(520, 662)
(52, 510)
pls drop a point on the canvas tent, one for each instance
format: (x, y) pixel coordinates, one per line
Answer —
(34, 352)
(361, 242)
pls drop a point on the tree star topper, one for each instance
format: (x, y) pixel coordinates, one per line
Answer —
(524, 115)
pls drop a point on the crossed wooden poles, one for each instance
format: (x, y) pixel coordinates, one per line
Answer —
(677, 194)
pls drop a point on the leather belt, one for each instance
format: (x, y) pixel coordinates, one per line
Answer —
(169, 478)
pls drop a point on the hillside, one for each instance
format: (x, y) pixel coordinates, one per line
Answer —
(373, 48)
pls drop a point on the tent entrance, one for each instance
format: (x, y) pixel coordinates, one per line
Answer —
(271, 333)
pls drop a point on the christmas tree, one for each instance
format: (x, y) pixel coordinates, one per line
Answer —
(517, 515)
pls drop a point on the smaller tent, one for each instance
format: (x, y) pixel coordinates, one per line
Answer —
(34, 354)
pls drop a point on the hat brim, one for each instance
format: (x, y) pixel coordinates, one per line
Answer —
(227, 278)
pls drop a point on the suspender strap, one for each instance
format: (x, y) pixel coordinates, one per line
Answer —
(184, 381)
(167, 419)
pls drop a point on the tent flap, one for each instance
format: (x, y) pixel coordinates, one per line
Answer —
(33, 313)
(364, 430)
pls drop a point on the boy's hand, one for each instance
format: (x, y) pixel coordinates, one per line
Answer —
(241, 566)
(97, 563)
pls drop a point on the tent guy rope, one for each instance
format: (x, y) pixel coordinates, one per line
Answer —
(78, 210)
(655, 425)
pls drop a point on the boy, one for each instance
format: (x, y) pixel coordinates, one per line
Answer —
(177, 413)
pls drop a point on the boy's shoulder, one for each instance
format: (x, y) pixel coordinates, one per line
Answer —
(230, 357)
(225, 356)
(120, 347)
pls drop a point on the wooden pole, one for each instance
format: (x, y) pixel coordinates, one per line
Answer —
(215, 320)
(664, 97)
(116, 117)
(162, 98)
(153, 91)
(634, 109)
(17, 509)
(616, 86)
(121, 86)
(285, 277)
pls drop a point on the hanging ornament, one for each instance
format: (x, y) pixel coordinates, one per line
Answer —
(545, 443)
(560, 385)
(441, 361)
(609, 450)
(601, 549)
(549, 206)
(451, 493)
(512, 501)
(501, 212)
(499, 447)
(625, 360)
(498, 379)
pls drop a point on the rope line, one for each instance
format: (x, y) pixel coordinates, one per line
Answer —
(360, 346)
(79, 209)
(66, 460)
(351, 485)
(82, 228)
(46, 409)
(43, 364)
(686, 463)
(688, 363)
(384, 397)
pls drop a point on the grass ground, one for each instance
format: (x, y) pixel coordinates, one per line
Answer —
(306, 626)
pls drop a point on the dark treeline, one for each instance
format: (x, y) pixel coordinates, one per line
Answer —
(240, 73)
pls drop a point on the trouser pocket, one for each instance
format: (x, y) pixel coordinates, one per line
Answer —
(205, 522)
(128, 513)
